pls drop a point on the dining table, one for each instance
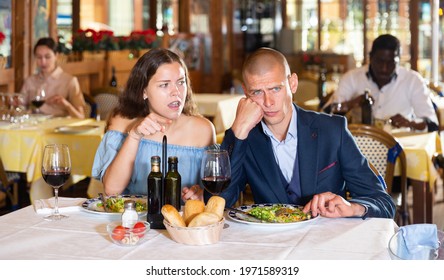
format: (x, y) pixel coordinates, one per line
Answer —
(22, 144)
(419, 148)
(83, 236)
(220, 108)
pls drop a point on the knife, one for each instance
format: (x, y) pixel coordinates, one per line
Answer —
(246, 216)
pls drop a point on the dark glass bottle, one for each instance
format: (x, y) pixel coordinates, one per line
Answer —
(366, 108)
(322, 86)
(155, 195)
(173, 184)
(113, 81)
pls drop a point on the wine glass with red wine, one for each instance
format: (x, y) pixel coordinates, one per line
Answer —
(38, 100)
(56, 169)
(215, 171)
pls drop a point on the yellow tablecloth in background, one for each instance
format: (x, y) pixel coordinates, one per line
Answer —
(419, 149)
(21, 149)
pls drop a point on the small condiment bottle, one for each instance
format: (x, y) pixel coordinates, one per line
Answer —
(129, 216)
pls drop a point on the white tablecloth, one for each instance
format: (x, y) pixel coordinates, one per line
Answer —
(25, 235)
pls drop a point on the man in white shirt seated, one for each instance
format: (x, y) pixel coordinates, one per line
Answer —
(398, 93)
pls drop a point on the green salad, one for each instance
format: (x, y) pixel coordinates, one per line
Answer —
(116, 204)
(279, 213)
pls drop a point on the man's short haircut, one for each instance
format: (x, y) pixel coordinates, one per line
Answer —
(386, 42)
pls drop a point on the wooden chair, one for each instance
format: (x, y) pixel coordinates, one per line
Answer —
(383, 151)
(106, 102)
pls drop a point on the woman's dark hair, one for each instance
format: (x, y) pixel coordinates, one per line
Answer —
(386, 42)
(48, 42)
(131, 102)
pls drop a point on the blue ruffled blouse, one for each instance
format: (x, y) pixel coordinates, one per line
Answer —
(189, 161)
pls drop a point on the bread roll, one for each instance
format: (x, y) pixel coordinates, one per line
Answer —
(191, 209)
(171, 214)
(204, 219)
(216, 205)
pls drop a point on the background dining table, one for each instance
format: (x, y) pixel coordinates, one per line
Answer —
(219, 107)
(22, 145)
(419, 149)
(83, 236)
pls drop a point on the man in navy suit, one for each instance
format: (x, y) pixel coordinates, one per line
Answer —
(289, 155)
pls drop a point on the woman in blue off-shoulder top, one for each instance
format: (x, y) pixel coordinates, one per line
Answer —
(157, 101)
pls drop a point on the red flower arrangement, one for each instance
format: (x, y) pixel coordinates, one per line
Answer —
(91, 40)
(311, 59)
(137, 40)
(2, 37)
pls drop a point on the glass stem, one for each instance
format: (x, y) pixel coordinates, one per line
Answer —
(56, 201)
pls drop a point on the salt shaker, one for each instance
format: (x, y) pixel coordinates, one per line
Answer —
(129, 216)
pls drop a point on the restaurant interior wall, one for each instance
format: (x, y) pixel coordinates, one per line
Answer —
(344, 27)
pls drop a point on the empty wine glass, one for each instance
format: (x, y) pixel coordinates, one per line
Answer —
(215, 171)
(56, 169)
(38, 100)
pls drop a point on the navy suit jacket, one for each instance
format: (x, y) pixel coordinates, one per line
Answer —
(329, 160)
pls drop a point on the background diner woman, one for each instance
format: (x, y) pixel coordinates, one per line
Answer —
(157, 101)
(63, 96)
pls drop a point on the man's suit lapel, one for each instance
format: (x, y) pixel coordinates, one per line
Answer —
(308, 140)
(267, 164)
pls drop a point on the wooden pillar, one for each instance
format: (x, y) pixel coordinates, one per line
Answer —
(153, 14)
(52, 19)
(319, 25)
(414, 31)
(184, 16)
(138, 16)
(75, 15)
(21, 41)
(365, 61)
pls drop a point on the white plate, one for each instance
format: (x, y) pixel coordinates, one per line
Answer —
(91, 205)
(39, 117)
(75, 129)
(235, 217)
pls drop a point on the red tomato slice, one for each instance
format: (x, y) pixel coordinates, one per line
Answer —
(138, 228)
(118, 233)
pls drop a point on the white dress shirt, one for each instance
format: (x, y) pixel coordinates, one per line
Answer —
(285, 150)
(406, 94)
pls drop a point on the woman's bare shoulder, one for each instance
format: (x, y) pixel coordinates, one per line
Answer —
(203, 129)
(120, 123)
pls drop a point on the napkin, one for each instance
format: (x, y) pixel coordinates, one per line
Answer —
(416, 240)
(66, 205)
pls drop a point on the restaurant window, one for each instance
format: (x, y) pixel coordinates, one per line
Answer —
(167, 16)
(121, 17)
(41, 12)
(302, 25)
(392, 17)
(340, 27)
(64, 22)
(5, 33)
(260, 21)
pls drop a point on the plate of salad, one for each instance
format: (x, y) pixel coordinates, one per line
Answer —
(115, 204)
(272, 214)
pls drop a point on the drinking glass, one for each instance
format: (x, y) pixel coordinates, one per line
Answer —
(215, 171)
(38, 100)
(56, 169)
